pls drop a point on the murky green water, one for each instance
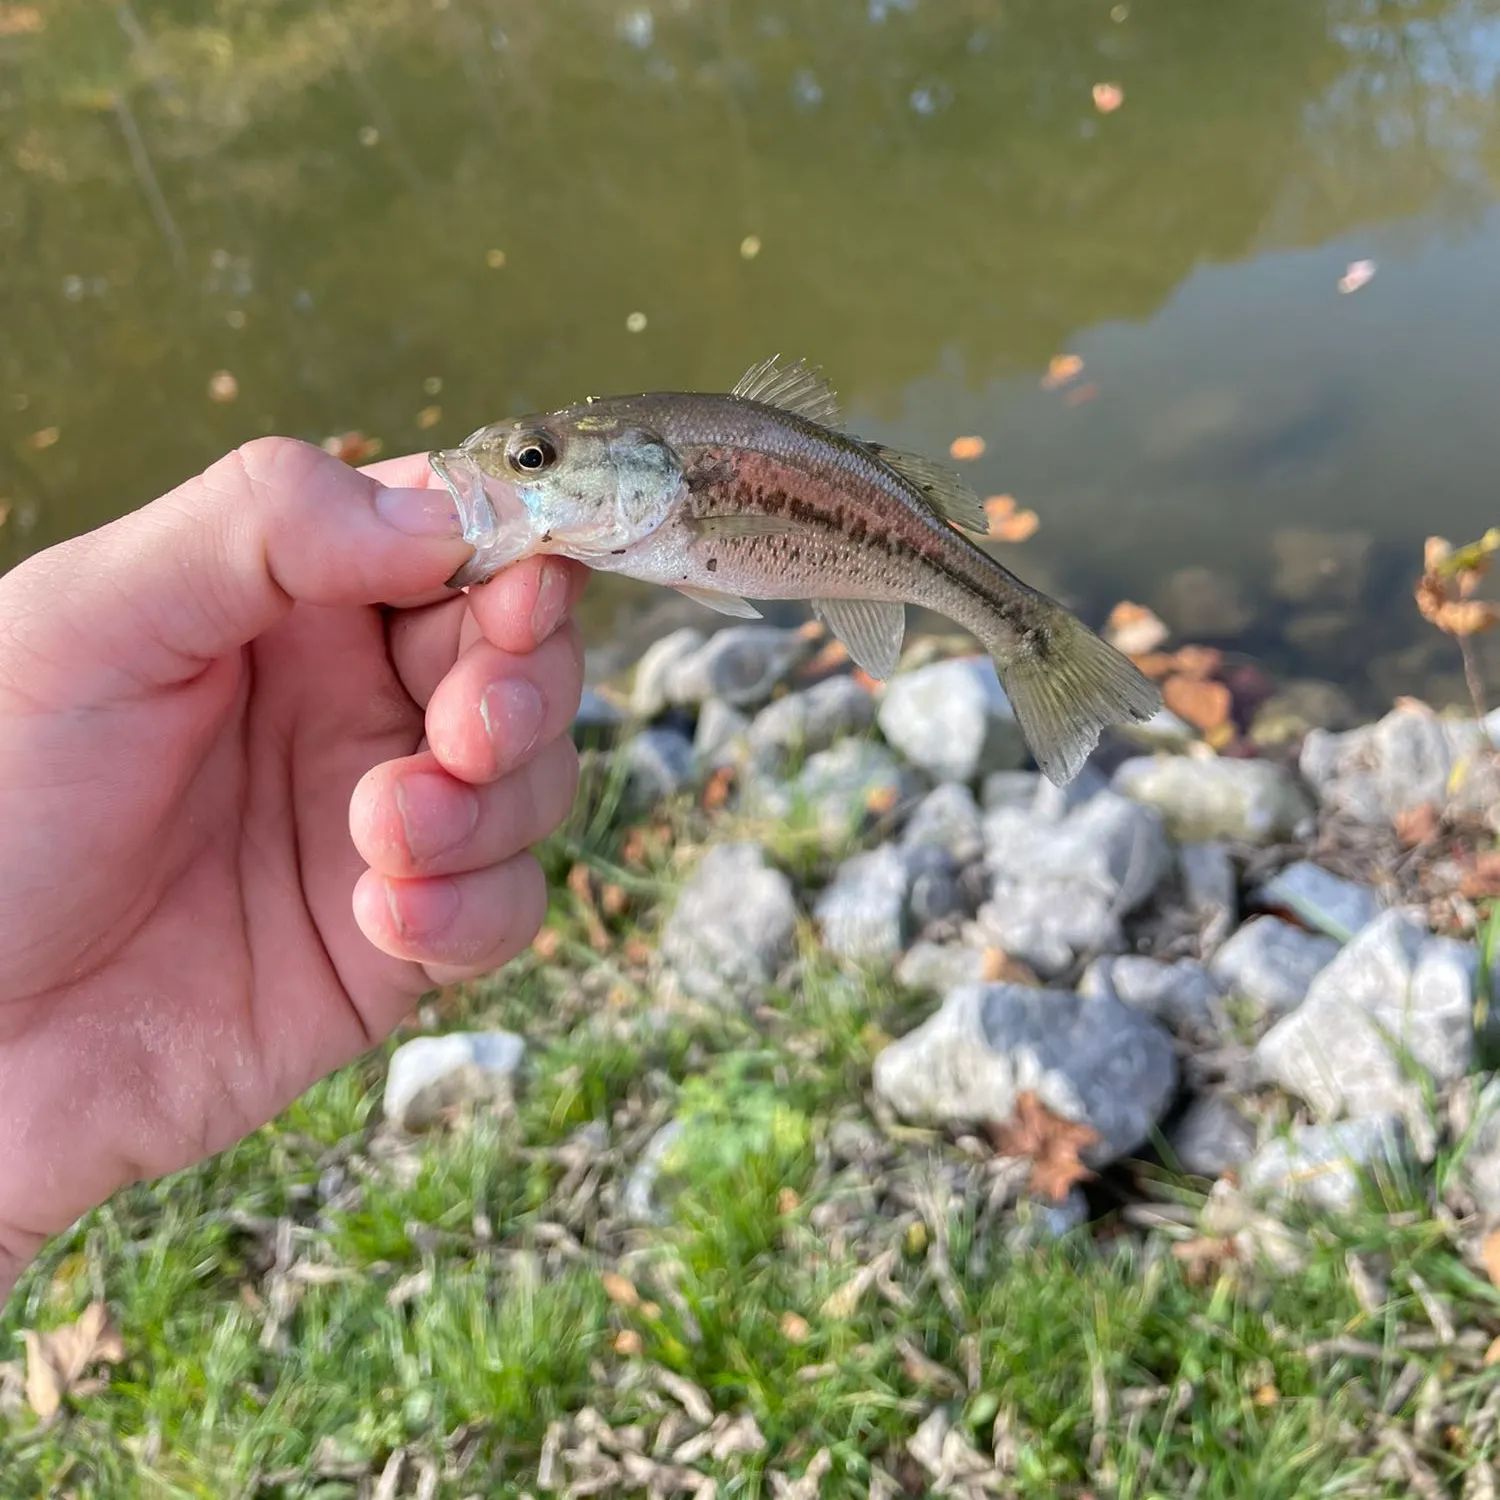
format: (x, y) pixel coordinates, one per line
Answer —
(411, 217)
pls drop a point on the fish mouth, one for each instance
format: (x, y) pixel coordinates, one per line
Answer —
(497, 535)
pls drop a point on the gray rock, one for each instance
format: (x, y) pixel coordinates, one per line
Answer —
(1395, 998)
(1087, 1059)
(1271, 963)
(806, 722)
(1210, 890)
(743, 665)
(934, 890)
(1405, 759)
(862, 913)
(432, 1074)
(648, 692)
(1164, 730)
(1307, 703)
(1061, 889)
(732, 928)
(1010, 789)
(1322, 899)
(1253, 800)
(940, 967)
(1039, 1221)
(1202, 603)
(595, 711)
(638, 1201)
(657, 763)
(1180, 995)
(1055, 802)
(946, 818)
(1326, 567)
(721, 735)
(836, 787)
(953, 719)
(1211, 1137)
(1323, 1165)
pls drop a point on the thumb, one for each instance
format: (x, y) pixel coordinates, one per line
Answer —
(224, 557)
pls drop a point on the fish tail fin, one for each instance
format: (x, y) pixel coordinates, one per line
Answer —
(1066, 686)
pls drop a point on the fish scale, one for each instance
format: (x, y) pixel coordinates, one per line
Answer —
(758, 493)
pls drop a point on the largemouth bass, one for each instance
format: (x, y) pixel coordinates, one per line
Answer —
(760, 494)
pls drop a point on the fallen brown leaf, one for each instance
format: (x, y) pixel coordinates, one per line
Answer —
(43, 437)
(787, 1201)
(795, 1329)
(628, 1342)
(637, 951)
(717, 788)
(996, 966)
(1108, 97)
(581, 884)
(1481, 878)
(1156, 664)
(615, 900)
(1415, 825)
(966, 448)
(21, 20)
(1050, 1141)
(619, 1289)
(1492, 1354)
(56, 1360)
(1490, 1250)
(429, 416)
(880, 800)
(1204, 704)
(353, 448)
(1198, 661)
(1203, 1257)
(812, 630)
(829, 658)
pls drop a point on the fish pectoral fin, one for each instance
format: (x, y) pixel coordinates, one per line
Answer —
(732, 528)
(725, 604)
(872, 629)
(942, 488)
(798, 388)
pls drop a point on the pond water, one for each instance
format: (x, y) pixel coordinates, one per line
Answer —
(410, 217)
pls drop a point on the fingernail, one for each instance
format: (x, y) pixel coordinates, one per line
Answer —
(420, 512)
(437, 814)
(513, 712)
(551, 600)
(422, 909)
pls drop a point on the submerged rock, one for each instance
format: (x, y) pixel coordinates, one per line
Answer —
(1253, 800)
(432, 1074)
(1089, 1059)
(953, 719)
(1061, 889)
(1271, 963)
(1323, 1165)
(863, 912)
(1205, 604)
(1308, 703)
(1394, 999)
(733, 927)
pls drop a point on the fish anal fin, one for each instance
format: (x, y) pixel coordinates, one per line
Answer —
(798, 388)
(872, 629)
(722, 603)
(942, 488)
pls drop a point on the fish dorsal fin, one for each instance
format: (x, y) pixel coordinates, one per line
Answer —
(725, 604)
(944, 491)
(872, 629)
(798, 388)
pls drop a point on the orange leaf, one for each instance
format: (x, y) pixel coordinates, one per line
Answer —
(1134, 629)
(1205, 705)
(619, 1289)
(998, 967)
(963, 448)
(1061, 368)
(1156, 664)
(717, 789)
(1415, 825)
(1491, 1252)
(1199, 661)
(1052, 1143)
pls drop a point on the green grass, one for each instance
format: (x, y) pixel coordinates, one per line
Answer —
(1102, 1364)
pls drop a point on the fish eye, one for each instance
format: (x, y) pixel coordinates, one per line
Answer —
(531, 452)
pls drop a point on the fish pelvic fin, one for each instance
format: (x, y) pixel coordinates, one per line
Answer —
(1067, 685)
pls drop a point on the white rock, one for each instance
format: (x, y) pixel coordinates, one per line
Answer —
(1210, 890)
(1253, 800)
(1323, 1165)
(862, 913)
(432, 1074)
(946, 818)
(953, 719)
(1322, 899)
(837, 787)
(1211, 1137)
(743, 665)
(1394, 994)
(648, 692)
(1016, 789)
(720, 735)
(806, 722)
(1271, 963)
(940, 967)
(1093, 1060)
(732, 928)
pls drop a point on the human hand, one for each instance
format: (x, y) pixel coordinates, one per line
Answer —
(232, 861)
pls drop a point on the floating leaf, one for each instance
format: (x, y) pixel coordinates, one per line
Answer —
(1199, 661)
(1202, 703)
(1081, 393)
(1359, 274)
(354, 448)
(21, 20)
(966, 448)
(1006, 522)
(1108, 97)
(429, 416)
(494, 259)
(44, 437)
(1061, 368)
(1134, 629)
(750, 246)
(1050, 1141)
(223, 387)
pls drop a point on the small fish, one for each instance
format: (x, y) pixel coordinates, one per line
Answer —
(759, 494)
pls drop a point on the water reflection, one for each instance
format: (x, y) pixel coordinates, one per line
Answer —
(339, 202)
